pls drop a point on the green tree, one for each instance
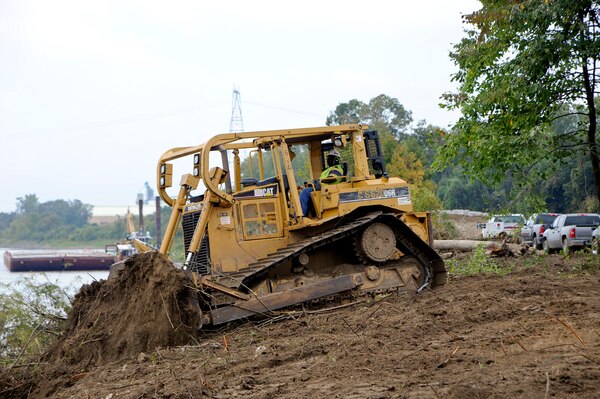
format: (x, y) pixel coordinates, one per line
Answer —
(522, 65)
(27, 204)
(407, 165)
(458, 191)
(381, 111)
(354, 111)
(424, 199)
(72, 213)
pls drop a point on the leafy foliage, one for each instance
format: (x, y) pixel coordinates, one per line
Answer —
(54, 220)
(523, 66)
(406, 164)
(424, 199)
(412, 151)
(31, 317)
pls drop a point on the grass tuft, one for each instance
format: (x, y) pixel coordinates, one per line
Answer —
(478, 263)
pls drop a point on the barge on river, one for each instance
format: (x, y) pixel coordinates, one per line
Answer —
(50, 262)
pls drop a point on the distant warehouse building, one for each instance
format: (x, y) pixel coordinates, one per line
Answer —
(105, 214)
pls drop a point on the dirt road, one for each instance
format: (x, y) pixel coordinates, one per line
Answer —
(534, 333)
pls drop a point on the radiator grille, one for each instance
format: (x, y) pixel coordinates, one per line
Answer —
(200, 261)
(188, 225)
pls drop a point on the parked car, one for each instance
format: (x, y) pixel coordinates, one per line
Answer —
(531, 233)
(570, 231)
(501, 226)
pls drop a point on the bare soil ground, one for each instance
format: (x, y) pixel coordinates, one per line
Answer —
(534, 333)
(467, 226)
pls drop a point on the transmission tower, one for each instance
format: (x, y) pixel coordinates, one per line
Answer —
(236, 124)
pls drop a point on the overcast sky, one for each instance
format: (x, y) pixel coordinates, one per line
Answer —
(92, 93)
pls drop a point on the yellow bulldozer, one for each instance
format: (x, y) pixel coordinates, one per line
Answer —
(251, 247)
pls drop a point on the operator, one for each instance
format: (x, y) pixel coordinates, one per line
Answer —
(332, 175)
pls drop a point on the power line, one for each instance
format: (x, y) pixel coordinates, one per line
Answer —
(284, 109)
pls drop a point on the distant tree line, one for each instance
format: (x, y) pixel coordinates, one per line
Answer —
(64, 221)
(53, 220)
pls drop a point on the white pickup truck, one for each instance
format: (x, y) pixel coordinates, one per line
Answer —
(500, 226)
(570, 231)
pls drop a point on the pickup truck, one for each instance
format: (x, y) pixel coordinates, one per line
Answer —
(570, 231)
(531, 233)
(500, 226)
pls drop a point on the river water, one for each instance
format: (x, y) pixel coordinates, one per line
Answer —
(69, 280)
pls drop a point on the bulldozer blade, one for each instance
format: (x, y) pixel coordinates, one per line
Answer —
(263, 305)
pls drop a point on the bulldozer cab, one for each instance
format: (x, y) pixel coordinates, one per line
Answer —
(289, 164)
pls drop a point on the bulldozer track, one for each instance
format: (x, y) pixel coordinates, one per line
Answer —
(408, 242)
(345, 297)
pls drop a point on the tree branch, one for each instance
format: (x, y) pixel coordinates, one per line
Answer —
(568, 114)
(550, 152)
(572, 132)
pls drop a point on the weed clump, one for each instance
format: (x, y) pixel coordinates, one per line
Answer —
(478, 263)
(32, 315)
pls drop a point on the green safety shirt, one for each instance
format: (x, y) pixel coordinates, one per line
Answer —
(335, 170)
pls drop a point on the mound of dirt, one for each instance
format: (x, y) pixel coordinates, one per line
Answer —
(143, 307)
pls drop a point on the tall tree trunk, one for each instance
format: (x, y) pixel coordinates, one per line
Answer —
(591, 133)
